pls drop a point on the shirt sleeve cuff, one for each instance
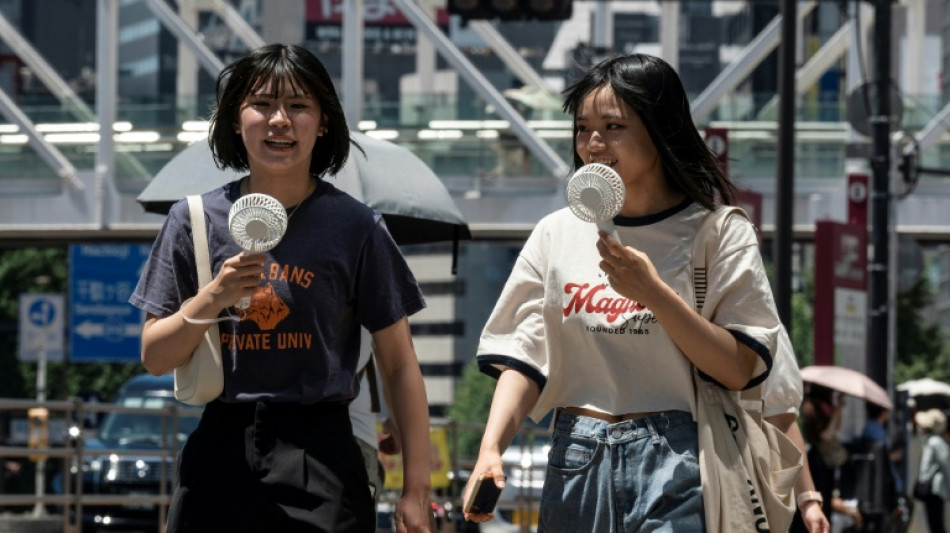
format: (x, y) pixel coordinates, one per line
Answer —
(756, 347)
(492, 365)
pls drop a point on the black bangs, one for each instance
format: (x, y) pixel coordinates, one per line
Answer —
(279, 71)
(287, 82)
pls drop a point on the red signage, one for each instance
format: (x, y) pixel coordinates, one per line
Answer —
(858, 199)
(841, 260)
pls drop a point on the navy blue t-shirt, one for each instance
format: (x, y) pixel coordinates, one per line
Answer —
(336, 268)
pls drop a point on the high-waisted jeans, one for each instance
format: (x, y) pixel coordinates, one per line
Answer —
(639, 475)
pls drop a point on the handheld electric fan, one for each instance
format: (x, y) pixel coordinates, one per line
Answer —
(595, 193)
(257, 222)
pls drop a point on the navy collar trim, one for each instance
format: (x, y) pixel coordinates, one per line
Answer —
(655, 217)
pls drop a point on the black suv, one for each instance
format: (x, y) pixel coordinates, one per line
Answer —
(106, 472)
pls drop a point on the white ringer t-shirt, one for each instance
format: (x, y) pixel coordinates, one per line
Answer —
(558, 322)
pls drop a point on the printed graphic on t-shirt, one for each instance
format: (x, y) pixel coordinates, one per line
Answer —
(622, 315)
(268, 310)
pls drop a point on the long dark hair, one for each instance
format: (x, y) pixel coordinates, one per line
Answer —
(292, 69)
(652, 88)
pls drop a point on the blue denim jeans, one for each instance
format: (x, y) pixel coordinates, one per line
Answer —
(638, 475)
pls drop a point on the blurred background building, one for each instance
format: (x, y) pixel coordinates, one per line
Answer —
(480, 105)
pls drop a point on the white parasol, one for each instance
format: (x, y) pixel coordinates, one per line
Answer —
(848, 381)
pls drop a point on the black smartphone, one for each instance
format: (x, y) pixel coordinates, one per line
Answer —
(484, 496)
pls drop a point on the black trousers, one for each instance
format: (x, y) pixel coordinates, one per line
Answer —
(262, 467)
(934, 507)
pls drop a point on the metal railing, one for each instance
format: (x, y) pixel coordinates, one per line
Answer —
(455, 137)
(72, 451)
(518, 507)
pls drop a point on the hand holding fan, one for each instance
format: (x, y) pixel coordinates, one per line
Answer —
(257, 222)
(595, 193)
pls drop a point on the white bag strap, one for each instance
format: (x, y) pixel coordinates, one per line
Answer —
(707, 236)
(200, 237)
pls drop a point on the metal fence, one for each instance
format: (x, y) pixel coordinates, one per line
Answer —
(63, 459)
(70, 452)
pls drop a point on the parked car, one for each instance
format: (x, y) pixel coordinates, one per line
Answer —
(105, 472)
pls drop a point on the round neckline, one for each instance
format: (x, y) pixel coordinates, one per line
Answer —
(645, 220)
(243, 188)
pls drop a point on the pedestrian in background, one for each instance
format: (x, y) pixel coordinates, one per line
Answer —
(876, 442)
(934, 469)
(276, 451)
(605, 332)
(363, 414)
(822, 413)
(782, 395)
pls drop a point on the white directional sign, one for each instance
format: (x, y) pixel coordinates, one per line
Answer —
(41, 326)
(110, 330)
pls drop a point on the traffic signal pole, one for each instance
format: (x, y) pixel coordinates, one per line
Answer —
(785, 172)
(878, 352)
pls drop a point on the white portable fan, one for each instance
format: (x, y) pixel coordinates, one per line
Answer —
(257, 222)
(595, 193)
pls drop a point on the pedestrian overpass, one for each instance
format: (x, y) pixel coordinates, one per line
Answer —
(64, 181)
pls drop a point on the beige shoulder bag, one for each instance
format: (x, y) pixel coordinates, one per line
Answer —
(201, 379)
(748, 466)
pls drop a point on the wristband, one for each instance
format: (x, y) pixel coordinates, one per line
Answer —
(809, 496)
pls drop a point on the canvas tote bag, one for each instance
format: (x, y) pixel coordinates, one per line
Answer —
(201, 379)
(748, 466)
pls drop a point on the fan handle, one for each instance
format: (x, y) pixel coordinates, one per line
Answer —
(245, 301)
(607, 226)
(257, 228)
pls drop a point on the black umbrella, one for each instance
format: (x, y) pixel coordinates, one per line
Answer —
(389, 178)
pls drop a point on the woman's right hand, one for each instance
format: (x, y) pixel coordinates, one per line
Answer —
(488, 464)
(167, 343)
(239, 276)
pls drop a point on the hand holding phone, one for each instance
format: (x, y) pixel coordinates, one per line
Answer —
(484, 496)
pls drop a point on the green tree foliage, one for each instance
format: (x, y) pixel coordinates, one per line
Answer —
(21, 271)
(921, 350)
(26, 270)
(803, 320)
(801, 329)
(472, 402)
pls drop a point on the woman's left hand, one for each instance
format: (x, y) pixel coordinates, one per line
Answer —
(413, 514)
(814, 518)
(629, 271)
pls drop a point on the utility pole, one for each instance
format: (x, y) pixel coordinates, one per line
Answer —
(785, 190)
(878, 266)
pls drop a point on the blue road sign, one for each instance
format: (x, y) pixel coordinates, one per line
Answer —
(41, 313)
(104, 326)
(41, 326)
